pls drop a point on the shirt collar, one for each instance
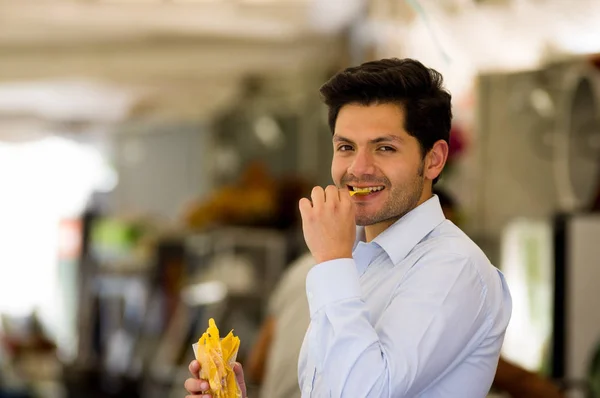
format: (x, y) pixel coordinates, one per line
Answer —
(402, 236)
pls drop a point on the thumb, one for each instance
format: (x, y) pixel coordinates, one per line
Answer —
(239, 376)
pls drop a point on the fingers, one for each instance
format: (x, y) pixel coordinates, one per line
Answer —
(318, 197)
(238, 370)
(305, 207)
(332, 195)
(239, 376)
(195, 369)
(345, 198)
(196, 386)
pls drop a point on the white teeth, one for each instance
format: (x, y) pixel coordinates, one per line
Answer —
(367, 189)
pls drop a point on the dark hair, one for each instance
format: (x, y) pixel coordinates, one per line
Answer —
(417, 89)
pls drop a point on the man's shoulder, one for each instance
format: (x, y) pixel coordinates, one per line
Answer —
(452, 247)
(450, 241)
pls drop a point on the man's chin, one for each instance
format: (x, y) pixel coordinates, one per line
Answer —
(365, 221)
(368, 220)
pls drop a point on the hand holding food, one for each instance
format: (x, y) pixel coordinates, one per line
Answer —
(217, 361)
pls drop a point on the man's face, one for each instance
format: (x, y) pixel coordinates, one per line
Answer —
(372, 149)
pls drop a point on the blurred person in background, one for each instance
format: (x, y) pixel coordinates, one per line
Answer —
(273, 361)
(406, 304)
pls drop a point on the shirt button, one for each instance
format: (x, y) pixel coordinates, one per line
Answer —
(310, 296)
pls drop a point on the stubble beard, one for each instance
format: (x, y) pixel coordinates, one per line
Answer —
(401, 200)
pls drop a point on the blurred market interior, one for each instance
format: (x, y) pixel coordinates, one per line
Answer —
(152, 153)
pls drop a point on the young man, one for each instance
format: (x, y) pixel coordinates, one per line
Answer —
(273, 358)
(405, 304)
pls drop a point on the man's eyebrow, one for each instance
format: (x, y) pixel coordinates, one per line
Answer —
(339, 138)
(378, 140)
(387, 138)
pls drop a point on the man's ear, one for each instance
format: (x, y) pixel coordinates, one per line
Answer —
(436, 160)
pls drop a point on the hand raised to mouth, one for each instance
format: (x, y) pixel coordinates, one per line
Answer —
(328, 223)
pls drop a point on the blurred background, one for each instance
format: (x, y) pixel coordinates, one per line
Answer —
(152, 153)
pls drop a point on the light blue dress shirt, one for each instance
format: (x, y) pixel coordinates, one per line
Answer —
(417, 312)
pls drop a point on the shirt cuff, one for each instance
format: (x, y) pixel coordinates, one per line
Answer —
(332, 281)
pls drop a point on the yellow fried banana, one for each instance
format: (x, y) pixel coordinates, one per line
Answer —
(217, 358)
(360, 191)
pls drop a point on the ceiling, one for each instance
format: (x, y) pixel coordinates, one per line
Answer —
(56, 21)
(224, 35)
(189, 56)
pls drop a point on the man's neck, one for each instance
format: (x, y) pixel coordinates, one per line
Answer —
(372, 231)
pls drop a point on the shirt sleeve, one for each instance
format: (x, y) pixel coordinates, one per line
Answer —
(431, 317)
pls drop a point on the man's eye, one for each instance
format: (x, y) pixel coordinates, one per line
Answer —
(344, 148)
(387, 149)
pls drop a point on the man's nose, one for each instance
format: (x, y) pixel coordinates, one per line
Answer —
(363, 163)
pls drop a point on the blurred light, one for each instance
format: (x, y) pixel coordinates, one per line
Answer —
(204, 293)
(327, 16)
(227, 161)
(542, 103)
(67, 100)
(528, 268)
(42, 182)
(532, 33)
(108, 182)
(267, 130)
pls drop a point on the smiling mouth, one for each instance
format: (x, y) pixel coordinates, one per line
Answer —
(365, 190)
